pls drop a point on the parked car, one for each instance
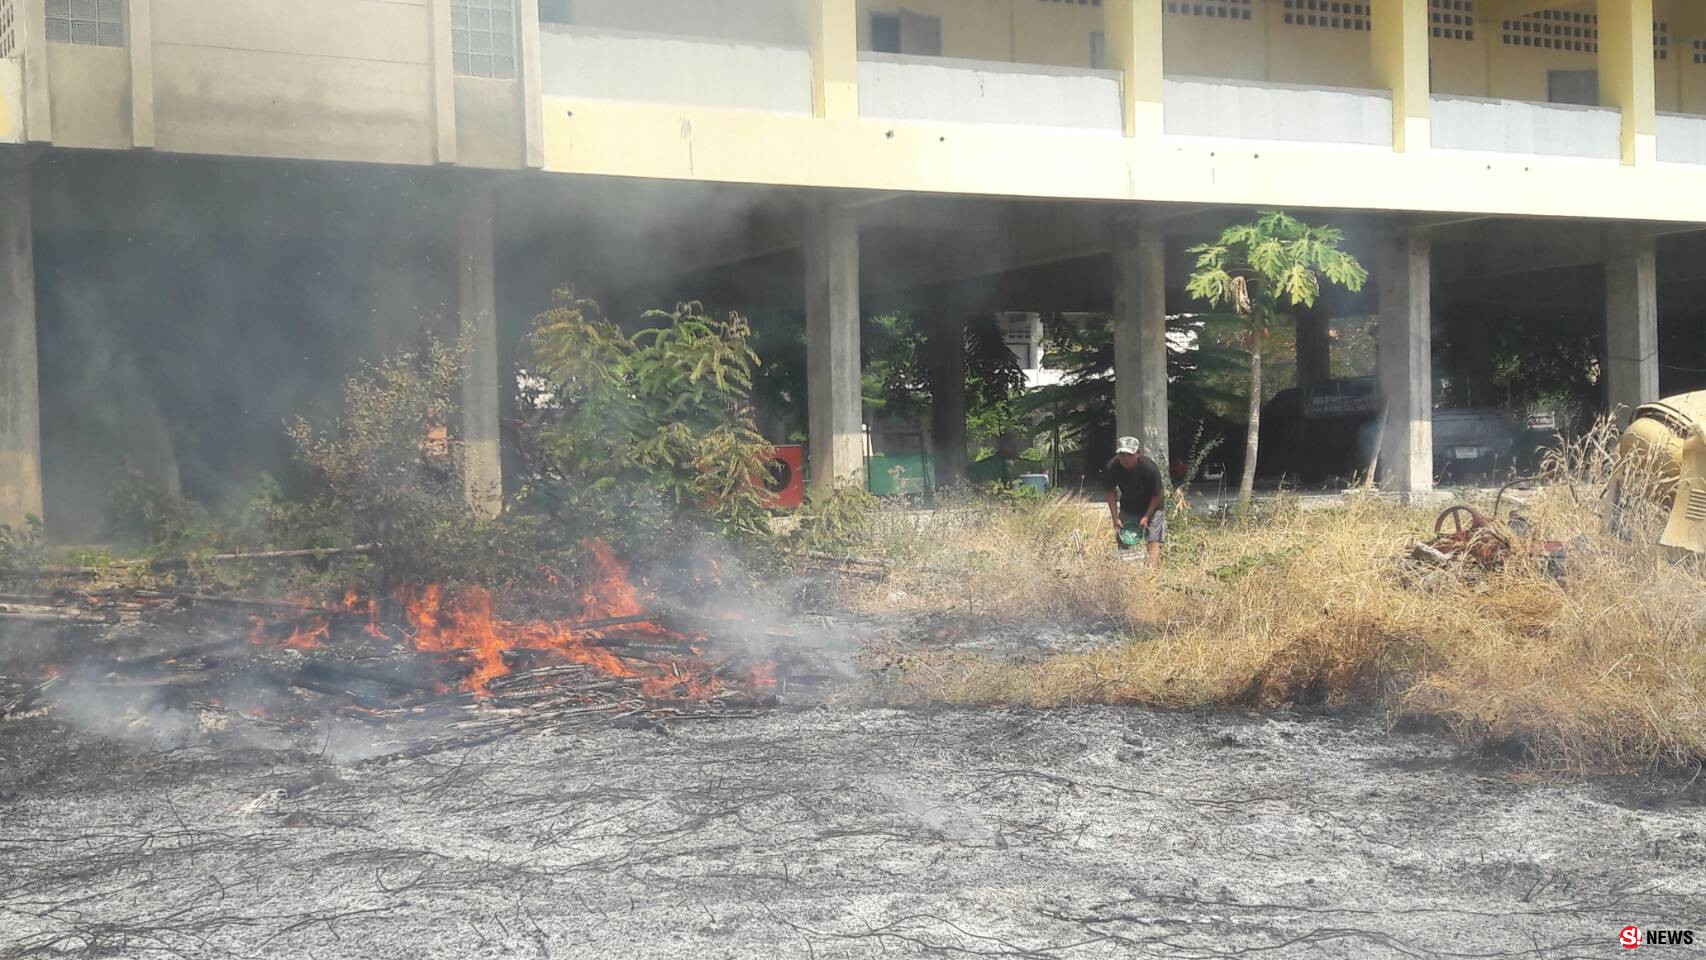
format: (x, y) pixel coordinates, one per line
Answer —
(1474, 443)
(1328, 431)
(1321, 432)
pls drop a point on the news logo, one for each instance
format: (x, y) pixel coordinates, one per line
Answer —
(1632, 936)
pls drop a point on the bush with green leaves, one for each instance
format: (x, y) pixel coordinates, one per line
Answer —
(22, 547)
(143, 511)
(633, 438)
(835, 522)
(388, 472)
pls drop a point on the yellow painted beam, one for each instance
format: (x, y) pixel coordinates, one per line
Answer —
(1132, 29)
(1626, 74)
(835, 58)
(1399, 47)
(659, 141)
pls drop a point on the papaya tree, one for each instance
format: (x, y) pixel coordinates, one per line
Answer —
(1259, 269)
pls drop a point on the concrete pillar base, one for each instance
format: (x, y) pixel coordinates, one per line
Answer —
(482, 467)
(836, 416)
(947, 346)
(1403, 275)
(1140, 337)
(20, 402)
(1631, 321)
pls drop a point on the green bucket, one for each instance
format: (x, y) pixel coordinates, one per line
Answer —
(1131, 534)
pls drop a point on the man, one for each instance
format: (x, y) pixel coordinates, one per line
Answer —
(1134, 494)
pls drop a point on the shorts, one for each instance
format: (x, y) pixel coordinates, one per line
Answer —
(1156, 531)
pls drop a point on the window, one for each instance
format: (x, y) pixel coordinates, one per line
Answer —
(1331, 14)
(1451, 19)
(482, 38)
(9, 36)
(885, 33)
(95, 22)
(556, 11)
(1098, 50)
(1573, 86)
(1223, 9)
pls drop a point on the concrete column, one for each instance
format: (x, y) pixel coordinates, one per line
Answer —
(948, 396)
(1133, 30)
(1314, 346)
(1140, 336)
(532, 82)
(1402, 276)
(476, 287)
(1399, 48)
(443, 84)
(835, 58)
(30, 24)
(835, 414)
(20, 404)
(139, 24)
(1631, 320)
(1626, 77)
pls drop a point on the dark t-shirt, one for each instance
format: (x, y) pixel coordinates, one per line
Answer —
(1137, 486)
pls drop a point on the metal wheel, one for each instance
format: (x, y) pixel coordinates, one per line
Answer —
(1458, 522)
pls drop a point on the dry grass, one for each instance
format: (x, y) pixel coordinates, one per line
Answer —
(1316, 607)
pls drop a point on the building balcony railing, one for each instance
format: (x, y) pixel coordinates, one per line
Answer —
(1248, 110)
(604, 64)
(939, 89)
(1681, 138)
(1521, 126)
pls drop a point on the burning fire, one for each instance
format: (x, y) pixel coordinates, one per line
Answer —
(463, 624)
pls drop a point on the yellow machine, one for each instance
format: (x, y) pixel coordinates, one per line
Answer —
(1663, 455)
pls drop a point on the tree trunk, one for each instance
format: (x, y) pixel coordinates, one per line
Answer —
(1247, 486)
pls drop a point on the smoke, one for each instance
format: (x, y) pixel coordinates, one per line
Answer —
(177, 336)
(139, 715)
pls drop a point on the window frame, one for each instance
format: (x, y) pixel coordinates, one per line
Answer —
(473, 25)
(85, 23)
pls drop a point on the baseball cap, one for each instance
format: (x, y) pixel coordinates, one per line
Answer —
(1128, 445)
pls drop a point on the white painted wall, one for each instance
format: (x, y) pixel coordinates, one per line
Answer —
(1250, 110)
(1682, 138)
(781, 22)
(317, 79)
(1521, 126)
(618, 65)
(899, 87)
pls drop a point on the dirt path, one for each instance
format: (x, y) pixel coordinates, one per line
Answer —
(841, 834)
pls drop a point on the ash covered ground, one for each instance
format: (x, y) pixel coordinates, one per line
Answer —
(840, 832)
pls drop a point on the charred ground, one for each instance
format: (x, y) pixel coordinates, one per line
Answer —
(839, 832)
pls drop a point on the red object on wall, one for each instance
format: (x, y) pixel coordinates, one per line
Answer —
(784, 480)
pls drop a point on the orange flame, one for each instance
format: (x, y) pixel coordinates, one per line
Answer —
(464, 624)
(305, 636)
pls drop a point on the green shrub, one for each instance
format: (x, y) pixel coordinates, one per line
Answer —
(632, 438)
(142, 511)
(22, 548)
(388, 471)
(835, 522)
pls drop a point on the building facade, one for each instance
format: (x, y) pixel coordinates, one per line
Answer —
(1544, 134)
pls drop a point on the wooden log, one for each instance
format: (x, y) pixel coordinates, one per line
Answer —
(180, 653)
(182, 563)
(37, 614)
(331, 670)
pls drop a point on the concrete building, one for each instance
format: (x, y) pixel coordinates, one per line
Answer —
(344, 163)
